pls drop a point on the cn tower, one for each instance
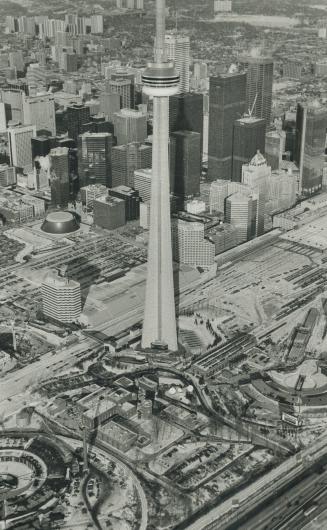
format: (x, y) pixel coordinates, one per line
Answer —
(160, 80)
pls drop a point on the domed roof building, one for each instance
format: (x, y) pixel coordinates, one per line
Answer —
(60, 223)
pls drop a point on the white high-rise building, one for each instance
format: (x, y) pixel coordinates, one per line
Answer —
(190, 247)
(130, 126)
(61, 298)
(142, 183)
(96, 24)
(178, 50)
(3, 120)
(39, 110)
(160, 80)
(222, 6)
(256, 176)
(241, 212)
(20, 146)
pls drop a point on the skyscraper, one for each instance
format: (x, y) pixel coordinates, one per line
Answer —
(311, 123)
(109, 104)
(59, 176)
(185, 163)
(259, 82)
(77, 115)
(20, 146)
(248, 138)
(177, 49)
(125, 89)
(128, 158)
(186, 113)
(61, 298)
(241, 212)
(275, 148)
(190, 245)
(256, 175)
(130, 126)
(94, 152)
(39, 110)
(160, 80)
(227, 95)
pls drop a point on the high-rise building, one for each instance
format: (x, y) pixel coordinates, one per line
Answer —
(143, 183)
(186, 113)
(91, 192)
(109, 212)
(190, 246)
(16, 60)
(130, 126)
(227, 98)
(241, 212)
(311, 124)
(259, 82)
(20, 146)
(282, 189)
(248, 138)
(178, 51)
(77, 116)
(39, 110)
(13, 100)
(126, 159)
(222, 6)
(109, 104)
(275, 144)
(60, 176)
(61, 299)
(7, 176)
(218, 196)
(185, 163)
(125, 89)
(68, 61)
(160, 80)
(131, 198)
(94, 151)
(37, 76)
(256, 176)
(96, 23)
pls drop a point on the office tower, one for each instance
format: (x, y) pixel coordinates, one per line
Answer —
(227, 98)
(281, 193)
(61, 298)
(248, 138)
(40, 111)
(190, 246)
(186, 113)
(11, 24)
(241, 211)
(41, 146)
(160, 81)
(131, 198)
(77, 116)
(289, 126)
(200, 70)
(91, 192)
(218, 196)
(68, 61)
(13, 101)
(126, 75)
(96, 23)
(37, 76)
(177, 49)
(126, 159)
(311, 124)
(3, 117)
(20, 146)
(256, 176)
(109, 212)
(125, 89)
(145, 215)
(143, 183)
(60, 176)
(109, 104)
(94, 152)
(130, 126)
(7, 176)
(185, 163)
(16, 60)
(275, 144)
(259, 82)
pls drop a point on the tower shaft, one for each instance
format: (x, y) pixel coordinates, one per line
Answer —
(159, 317)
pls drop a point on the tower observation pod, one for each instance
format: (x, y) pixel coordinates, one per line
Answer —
(160, 80)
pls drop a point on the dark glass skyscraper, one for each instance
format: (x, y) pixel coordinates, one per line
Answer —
(226, 104)
(185, 163)
(94, 154)
(186, 113)
(77, 116)
(259, 82)
(249, 137)
(311, 124)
